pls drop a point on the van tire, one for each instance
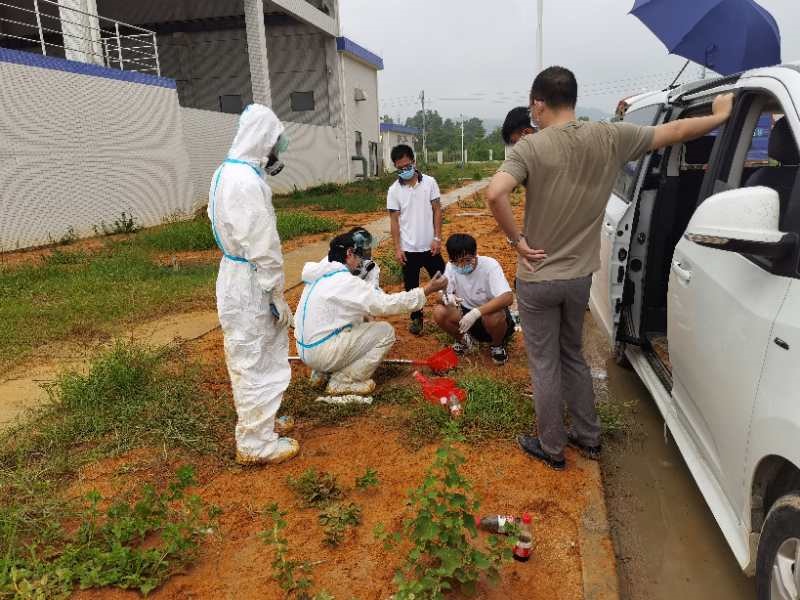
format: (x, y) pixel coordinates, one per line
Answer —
(620, 359)
(781, 526)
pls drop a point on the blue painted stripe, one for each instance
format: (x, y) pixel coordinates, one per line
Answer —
(347, 45)
(70, 66)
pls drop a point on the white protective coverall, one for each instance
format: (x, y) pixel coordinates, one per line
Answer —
(250, 273)
(373, 277)
(332, 336)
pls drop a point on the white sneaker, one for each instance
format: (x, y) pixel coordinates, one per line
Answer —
(359, 388)
(287, 449)
(465, 345)
(284, 425)
(318, 379)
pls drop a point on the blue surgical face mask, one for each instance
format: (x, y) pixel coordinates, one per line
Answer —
(408, 173)
(465, 269)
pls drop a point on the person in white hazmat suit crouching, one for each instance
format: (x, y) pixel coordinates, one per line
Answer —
(252, 311)
(332, 330)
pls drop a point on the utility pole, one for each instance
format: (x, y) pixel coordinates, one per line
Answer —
(424, 132)
(539, 37)
(463, 164)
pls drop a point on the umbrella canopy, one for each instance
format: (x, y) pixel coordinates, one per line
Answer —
(727, 36)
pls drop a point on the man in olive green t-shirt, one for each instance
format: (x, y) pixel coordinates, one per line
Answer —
(568, 170)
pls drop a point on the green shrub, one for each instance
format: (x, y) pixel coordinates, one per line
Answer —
(315, 489)
(441, 530)
(131, 545)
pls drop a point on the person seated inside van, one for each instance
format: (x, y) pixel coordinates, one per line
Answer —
(475, 305)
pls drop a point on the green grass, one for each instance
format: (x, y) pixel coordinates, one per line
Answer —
(299, 400)
(74, 295)
(130, 397)
(180, 236)
(296, 224)
(494, 409)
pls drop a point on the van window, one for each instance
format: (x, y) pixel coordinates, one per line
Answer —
(626, 180)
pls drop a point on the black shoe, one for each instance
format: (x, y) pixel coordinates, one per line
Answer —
(415, 327)
(590, 452)
(499, 355)
(531, 445)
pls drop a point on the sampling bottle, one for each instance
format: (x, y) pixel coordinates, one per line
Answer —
(497, 523)
(454, 405)
(524, 545)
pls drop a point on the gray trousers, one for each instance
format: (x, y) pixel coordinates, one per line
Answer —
(552, 314)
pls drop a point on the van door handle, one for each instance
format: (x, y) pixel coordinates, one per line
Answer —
(683, 274)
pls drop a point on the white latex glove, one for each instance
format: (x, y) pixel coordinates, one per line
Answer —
(284, 312)
(450, 299)
(468, 320)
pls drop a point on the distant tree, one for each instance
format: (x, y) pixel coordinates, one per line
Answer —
(584, 119)
(387, 119)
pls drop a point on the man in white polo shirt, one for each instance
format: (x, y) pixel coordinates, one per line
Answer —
(475, 306)
(415, 211)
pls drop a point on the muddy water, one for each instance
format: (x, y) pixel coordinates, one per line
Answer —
(667, 542)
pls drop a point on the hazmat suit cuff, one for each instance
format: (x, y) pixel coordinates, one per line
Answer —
(422, 299)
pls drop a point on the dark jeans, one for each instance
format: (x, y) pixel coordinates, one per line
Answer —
(416, 261)
(552, 314)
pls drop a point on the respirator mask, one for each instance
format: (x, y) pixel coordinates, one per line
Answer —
(363, 250)
(273, 165)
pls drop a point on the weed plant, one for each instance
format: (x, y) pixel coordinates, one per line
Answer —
(336, 519)
(441, 532)
(391, 269)
(130, 545)
(293, 575)
(315, 489)
(368, 480)
(296, 224)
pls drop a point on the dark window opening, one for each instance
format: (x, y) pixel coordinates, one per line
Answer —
(302, 101)
(231, 103)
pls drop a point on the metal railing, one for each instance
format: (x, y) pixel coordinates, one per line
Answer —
(84, 36)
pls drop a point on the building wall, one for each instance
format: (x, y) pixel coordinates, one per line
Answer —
(390, 139)
(206, 65)
(298, 62)
(80, 144)
(362, 116)
(312, 158)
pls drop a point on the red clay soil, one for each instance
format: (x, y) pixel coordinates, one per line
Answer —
(235, 563)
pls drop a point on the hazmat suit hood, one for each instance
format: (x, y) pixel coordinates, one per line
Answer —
(259, 130)
(312, 271)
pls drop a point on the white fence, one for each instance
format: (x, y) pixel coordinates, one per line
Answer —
(85, 36)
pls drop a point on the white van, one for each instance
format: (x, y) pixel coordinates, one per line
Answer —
(700, 291)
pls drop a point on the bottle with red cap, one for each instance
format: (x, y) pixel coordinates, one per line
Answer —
(524, 545)
(497, 523)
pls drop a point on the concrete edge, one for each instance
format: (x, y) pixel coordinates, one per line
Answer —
(598, 561)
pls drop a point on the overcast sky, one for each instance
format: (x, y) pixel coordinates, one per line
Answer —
(478, 57)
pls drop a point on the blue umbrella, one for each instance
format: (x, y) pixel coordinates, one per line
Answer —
(727, 36)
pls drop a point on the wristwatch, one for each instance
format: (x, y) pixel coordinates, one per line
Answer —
(514, 243)
(436, 239)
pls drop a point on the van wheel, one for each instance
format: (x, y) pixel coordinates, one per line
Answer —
(619, 356)
(778, 562)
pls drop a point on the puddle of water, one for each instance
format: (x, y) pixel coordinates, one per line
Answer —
(667, 541)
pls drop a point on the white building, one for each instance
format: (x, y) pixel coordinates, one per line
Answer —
(179, 72)
(393, 134)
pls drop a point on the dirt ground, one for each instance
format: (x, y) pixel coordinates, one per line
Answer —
(234, 563)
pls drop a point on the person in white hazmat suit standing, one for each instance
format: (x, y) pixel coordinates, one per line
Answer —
(331, 330)
(252, 311)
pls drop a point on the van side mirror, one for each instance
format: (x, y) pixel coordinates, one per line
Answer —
(743, 220)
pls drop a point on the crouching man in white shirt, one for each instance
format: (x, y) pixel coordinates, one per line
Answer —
(475, 306)
(332, 333)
